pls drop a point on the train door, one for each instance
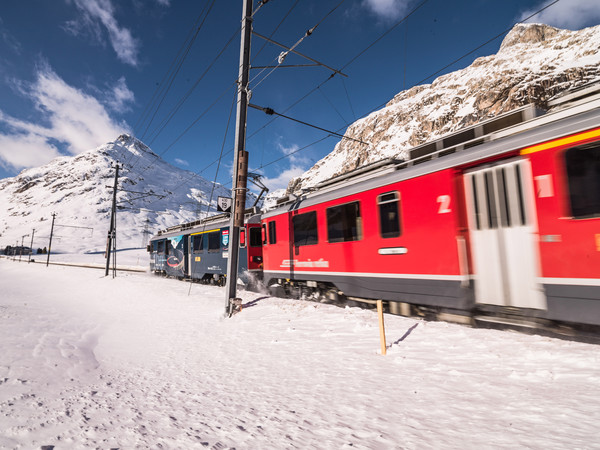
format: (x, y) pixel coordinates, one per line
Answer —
(503, 231)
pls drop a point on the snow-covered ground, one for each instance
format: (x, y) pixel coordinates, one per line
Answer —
(145, 362)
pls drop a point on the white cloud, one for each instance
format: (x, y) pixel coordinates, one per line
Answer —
(298, 165)
(282, 181)
(120, 96)
(19, 151)
(164, 2)
(291, 151)
(101, 12)
(387, 9)
(72, 119)
(182, 162)
(572, 14)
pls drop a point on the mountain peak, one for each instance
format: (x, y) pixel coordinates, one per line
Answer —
(528, 33)
(152, 195)
(133, 144)
(534, 64)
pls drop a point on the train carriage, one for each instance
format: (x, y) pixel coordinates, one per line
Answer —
(500, 219)
(199, 250)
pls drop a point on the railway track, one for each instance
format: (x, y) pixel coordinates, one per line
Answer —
(83, 265)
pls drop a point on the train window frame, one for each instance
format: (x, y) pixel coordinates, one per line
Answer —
(214, 237)
(263, 228)
(242, 237)
(583, 188)
(200, 247)
(255, 237)
(392, 198)
(344, 222)
(306, 223)
(272, 232)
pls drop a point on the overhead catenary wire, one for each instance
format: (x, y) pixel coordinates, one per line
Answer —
(178, 61)
(271, 112)
(414, 10)
(332, 104)
(331, 76)
(499, 35)
(281, 57)
(218, 161)
(419, 82)
(353, 59)
(160, 86)
(171, 73)
(170, 116)
(184, 99)
(220, 96)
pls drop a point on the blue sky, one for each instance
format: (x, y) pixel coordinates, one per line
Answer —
(75, 74)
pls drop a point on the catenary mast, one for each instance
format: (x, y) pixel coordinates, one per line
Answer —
(240, 167)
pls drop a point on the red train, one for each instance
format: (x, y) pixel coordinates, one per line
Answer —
(500, 220)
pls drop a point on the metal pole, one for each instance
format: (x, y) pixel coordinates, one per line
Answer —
(22, 239)
(50, 244)
(31, 246)
(240, 166)
(111, 230)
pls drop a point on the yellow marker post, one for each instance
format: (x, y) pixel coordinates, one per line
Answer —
(381, 326)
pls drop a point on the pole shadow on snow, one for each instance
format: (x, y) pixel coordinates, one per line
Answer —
(253, 302)
(410, 330)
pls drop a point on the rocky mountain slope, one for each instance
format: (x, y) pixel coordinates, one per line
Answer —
(152, 195)
(535, 62)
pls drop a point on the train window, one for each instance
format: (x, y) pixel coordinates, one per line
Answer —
(305, 229)
(503, 197)
(161, 247)
(476, 203)
(344, 223)
(491, 199)
(389, 215)
(272, 232)
(214, 241)
(583, 173)
(198, 242)
(255, 237)
(264, 233)
(520, 193)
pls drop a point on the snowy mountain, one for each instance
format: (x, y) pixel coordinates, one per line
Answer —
(535, 62)
(151, 195)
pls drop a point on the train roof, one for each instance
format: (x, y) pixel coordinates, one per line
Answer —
(217, 221)
(569, 113)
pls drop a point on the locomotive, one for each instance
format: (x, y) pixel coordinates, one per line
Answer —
(499, 222)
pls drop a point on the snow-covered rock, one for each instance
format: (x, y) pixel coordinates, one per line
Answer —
(535, 62)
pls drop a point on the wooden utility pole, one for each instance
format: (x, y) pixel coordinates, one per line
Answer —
(111, 242)
(50, 244)
(240, 166)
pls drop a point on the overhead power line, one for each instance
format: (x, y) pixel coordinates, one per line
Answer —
(214, 103)
(414, 10)
(173, 70)
(271, 112)
(281, 57)
(350, 62)
(471, 52)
